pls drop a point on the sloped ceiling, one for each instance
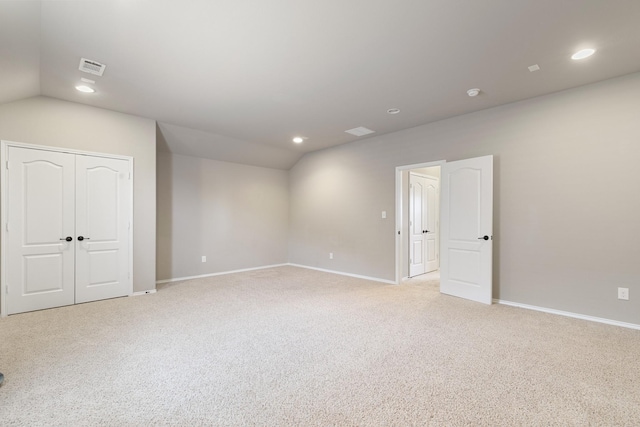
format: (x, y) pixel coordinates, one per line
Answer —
(235, 81)
(19, 50)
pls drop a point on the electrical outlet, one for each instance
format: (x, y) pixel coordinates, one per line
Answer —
(623, 293)
(330, 255)
(204, 258)
(384, 214)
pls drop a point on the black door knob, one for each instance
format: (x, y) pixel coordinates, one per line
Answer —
(81, 238)
(68, 239)
(483, 238)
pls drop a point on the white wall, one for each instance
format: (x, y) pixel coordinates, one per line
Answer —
(565, 237)
(235, 215)
(47, 121)
(429, 171)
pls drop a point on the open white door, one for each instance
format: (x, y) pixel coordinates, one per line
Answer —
(467, 229)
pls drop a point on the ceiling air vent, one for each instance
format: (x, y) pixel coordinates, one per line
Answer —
(91, 67)
(361, 131)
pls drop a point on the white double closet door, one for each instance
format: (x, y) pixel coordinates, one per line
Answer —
(67, 232)
(423, 224)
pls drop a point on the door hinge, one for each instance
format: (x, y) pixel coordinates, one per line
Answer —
(7, 164)
(129, 175)
(7, 227)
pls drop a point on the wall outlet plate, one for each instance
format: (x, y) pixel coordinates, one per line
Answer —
(330, 255)
(204, 258)
(623, 293)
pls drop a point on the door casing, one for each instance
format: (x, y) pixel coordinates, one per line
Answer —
(401, 227)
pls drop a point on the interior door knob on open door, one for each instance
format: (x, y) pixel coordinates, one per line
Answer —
(479, 238)
(68, 238)
(81, 238)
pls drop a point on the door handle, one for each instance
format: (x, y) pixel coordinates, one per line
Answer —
(483, 238)
(81, 238)
(68, 238)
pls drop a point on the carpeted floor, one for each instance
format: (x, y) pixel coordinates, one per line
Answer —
(295, 347)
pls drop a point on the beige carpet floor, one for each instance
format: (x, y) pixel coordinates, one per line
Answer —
(295, 347)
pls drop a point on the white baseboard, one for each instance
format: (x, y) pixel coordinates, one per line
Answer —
(137, 294)
(222, 273)
(357, 276)
(569, 314)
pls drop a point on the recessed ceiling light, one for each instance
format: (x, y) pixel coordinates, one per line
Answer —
(473, 92)
(584, 53)
(298, 140)
(85, 89)
(393, 110)
(534, 67)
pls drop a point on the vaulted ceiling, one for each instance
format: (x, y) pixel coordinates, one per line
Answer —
(237, 80)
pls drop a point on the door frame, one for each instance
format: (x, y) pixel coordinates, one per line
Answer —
(4, 157)
(400, 220)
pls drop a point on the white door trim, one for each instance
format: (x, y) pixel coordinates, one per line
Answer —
(4, 156)
(399, 212)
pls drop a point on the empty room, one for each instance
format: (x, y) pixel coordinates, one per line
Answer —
(319, 213)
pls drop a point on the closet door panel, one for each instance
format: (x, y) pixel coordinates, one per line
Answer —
(40, 216)
(103, 197)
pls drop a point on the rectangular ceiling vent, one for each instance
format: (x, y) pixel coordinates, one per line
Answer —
(361, 131)
(91, 67)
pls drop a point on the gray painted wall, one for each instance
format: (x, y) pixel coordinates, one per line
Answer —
(235, 215)
(565, 236)
(47, 121)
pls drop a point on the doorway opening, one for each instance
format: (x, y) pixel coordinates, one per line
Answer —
(418, 221)
(465, 231)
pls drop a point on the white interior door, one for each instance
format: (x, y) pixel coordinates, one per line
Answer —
(417, 193)
(467, 229)
(67, 236)
(103, 197)
(431, 224)
(39, 262)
